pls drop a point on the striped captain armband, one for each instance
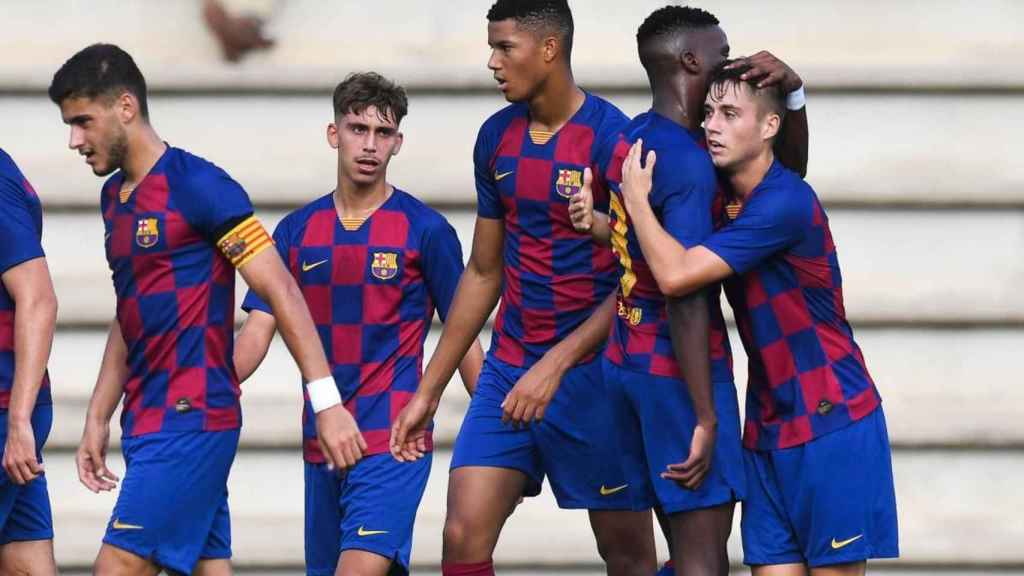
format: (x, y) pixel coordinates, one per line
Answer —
(243, 242)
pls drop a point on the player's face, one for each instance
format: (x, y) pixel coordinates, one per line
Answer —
(365, 143)
(96, 133)
(737, 129)
(517, 59)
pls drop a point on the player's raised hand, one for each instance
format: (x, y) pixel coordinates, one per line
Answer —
(409, 430)
(691, 474)
(20, 453)
(769, 70)
(637, 176)
(340, 440)
(532, 393)
(581, 204)
(91, 458)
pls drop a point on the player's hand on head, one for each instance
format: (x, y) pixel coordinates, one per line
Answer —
(91, 459)
(768, 70)
(581, 204)
(532, 393)
(20, 453)
(638, 173)
(691, 473)
(409, 430)
(340, 439)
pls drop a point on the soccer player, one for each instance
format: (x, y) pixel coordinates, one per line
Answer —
(28, 313)
(820, 491)
(540, 406)
(176, 228)
(373, 263)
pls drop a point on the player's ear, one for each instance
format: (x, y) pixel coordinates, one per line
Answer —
(551, 49)
(690, 62)
(332, 135)
(399, 138)
(770, 126)
(127, 107)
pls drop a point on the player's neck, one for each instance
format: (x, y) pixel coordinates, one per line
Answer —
(354, 201)
(748, 175)
(553, 106)
(673, 102)
(144, 150)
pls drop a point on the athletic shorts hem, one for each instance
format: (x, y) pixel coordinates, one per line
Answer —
(216, 556)
(28, 537)
(531, 489)
(389, 552)
(722, 496)
(792, 558)
(601, 505)
(850, 558)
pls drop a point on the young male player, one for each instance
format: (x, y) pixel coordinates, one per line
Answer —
(540, 407)
(28, 313)
(679, 411)
(176, 227)
(373, 263)
(819, 473)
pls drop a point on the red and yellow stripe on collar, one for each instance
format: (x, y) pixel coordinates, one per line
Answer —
(243, 242)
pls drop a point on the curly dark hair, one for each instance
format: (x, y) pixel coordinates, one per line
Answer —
(537, 16)
(100, 70)
(672, 19)
(360, 90)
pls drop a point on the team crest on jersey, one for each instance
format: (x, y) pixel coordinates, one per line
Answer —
(385, 265)
(147, 234)
(569, 182)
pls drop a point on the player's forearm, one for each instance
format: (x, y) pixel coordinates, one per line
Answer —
(111, 380)
(474, 299)
(793, 142)
(600, 231)
(689, 326)
(665, 256)
(586, 338)
(252, 343)
(35, 316)
(469, 368)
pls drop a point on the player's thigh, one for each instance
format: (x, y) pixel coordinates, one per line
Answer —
(480, 499)
(322, 518)
(700, 538)
(779, 570)
(625, 540)
(114, 561)
(30, 558)
(362, 563)
(851, 569)
(213, 567)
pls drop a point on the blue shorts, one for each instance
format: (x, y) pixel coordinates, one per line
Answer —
(173, 503)
(829, 501)
(655, 421)
(371, 507)
(25, 510)
(573, 445)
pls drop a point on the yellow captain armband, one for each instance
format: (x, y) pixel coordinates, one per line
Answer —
(243, 242)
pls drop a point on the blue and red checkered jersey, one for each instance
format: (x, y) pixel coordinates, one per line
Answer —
(21, 230)
(807, 375)
(683, 190)
(372, 293)
(171, 244)
(554, 276)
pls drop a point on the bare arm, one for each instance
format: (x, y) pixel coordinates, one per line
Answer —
(469, 368)
(35, 315)
(252, 343)
(92, 452)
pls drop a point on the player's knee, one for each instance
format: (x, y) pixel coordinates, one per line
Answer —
(465, 539)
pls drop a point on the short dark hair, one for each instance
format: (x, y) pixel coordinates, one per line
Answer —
(538, 16)
(722, 78)
(674, 19)
(100, 70)
(360, 90)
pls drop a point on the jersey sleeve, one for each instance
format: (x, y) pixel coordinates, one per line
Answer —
(19, 238)
(488, 201)
(607, 170)
(442, 264)
(768, 224)
(683, 196)
(282, 241)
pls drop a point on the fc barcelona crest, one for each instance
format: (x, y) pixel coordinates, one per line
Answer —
(148, 233)
(385, 265)
(569, 182)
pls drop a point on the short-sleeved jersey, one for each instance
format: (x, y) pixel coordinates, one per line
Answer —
(21, 230)
(175, 292)
(807, 375)
(683, 191)
(554, 276)
(372, 294)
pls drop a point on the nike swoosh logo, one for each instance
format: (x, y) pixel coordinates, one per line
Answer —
(364, 532)
(610, 491)
(838, 545)
(499, 176)
(308, 267)
(118, 525)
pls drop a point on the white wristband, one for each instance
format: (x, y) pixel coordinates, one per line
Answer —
(323, 394)
(796, 99)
